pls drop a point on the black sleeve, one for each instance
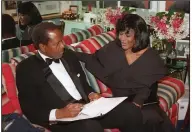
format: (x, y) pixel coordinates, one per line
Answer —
(92, 64)
(28, 93)
(155, 72)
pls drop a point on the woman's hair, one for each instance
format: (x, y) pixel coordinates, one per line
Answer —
(28, 8)
(8, 25)
(138, 24)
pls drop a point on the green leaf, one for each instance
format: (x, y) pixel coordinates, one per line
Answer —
(132, 10)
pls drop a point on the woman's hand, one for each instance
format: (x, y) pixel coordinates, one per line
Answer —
(94, 96)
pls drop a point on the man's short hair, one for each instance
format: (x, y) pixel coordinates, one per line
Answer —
(40, 33)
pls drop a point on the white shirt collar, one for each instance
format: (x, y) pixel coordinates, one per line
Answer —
(43, 56)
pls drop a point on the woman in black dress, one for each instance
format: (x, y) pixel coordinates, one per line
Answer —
(131, 68)
(29, 17)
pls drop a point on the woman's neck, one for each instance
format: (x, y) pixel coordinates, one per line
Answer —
(130, 52)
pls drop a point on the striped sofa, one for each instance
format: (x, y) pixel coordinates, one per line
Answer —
(10, 101)
(82, 35)
(169, 89)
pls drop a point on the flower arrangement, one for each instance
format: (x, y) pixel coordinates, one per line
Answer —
(112, 15)
(170, 25)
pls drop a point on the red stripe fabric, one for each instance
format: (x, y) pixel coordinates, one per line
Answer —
(67, 40)
(8, 74)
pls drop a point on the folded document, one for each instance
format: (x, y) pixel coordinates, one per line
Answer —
(96, 108)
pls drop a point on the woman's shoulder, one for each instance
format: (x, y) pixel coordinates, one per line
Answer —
(111, 47)
(153, 56)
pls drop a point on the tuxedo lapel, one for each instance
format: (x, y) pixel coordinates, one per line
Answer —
(55, 84)
(74, 76)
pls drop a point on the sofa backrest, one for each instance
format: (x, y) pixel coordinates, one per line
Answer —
(16, 60)
(82, 35)
(10, 53)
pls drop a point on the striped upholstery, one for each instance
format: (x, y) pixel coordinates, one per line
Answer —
(82, 35)
(9, 84)
(96, 42)
(173, 113)
(7, 106)
(28, 48)
(16, 60)
(8, 54)
(169, 91)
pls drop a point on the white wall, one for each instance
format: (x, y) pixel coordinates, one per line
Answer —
(6, 11)
(64, 5)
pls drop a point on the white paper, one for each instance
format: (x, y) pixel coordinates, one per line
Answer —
(96, 108)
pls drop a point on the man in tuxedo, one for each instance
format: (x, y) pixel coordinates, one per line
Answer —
(52, 85)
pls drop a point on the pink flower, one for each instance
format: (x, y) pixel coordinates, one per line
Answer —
(162, 26)
(154, 19)
(176, 23)
(169, 27)
(113, 15)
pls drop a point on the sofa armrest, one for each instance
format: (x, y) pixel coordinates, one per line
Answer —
(169, 91)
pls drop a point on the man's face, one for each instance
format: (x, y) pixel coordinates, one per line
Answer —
(55, 45)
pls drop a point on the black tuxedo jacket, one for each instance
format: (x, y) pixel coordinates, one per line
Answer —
(37, 96)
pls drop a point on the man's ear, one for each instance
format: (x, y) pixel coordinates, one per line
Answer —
(42, 47)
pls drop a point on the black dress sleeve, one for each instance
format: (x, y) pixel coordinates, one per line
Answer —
(153, 69)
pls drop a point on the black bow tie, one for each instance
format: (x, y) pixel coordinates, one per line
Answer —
(49, 61)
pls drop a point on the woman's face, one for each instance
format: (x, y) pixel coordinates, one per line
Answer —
(127, 39)
(24, 19)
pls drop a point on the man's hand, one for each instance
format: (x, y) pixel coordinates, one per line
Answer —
(71, 110)
(94, 96)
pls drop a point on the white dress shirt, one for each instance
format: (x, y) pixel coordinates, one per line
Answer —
(62, 75)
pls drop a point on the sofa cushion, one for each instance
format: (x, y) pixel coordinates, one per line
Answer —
(7, 106)
(95, 30)
(9, 84)
(16, 60)
(8, 54)
(82, 35)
